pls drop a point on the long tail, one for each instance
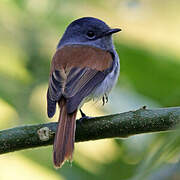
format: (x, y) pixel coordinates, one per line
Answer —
(65, 135)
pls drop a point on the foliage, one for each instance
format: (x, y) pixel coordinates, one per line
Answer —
(150, 63)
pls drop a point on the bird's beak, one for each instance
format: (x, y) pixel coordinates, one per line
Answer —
(112, 31)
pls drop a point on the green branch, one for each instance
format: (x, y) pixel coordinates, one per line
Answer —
(112, 126)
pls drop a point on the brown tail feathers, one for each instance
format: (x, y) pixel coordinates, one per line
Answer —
(65, 135)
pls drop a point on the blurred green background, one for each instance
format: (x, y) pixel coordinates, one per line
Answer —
(149, 49)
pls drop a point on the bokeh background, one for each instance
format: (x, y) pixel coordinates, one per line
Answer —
(149, 49)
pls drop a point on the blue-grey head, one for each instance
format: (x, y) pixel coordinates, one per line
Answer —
(89, 31)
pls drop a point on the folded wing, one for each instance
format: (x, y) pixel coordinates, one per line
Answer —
(76, 70)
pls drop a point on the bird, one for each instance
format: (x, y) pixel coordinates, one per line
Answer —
(85, 66)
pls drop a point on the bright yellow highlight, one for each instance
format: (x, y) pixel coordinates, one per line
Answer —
(8, 115)
(12, 65)
(18, 167)
(91, 155)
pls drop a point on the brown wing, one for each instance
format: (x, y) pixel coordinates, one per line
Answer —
(81, 56)
(76, 70)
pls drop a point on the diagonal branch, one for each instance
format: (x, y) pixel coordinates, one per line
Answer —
(117, 125)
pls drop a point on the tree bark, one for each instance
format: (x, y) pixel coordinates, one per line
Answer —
(112, 126)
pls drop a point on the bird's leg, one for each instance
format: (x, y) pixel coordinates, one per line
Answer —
(84, 117)
(105, 99)
(82, 114)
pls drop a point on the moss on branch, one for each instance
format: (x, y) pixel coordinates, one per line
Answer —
(111, 126)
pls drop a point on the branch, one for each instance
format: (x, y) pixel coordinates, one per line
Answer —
(118, 125)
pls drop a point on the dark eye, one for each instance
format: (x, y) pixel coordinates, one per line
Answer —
(90, 34)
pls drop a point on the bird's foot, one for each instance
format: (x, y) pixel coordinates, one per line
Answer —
(84, 117)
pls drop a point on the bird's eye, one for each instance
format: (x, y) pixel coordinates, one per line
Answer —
(90, 34)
